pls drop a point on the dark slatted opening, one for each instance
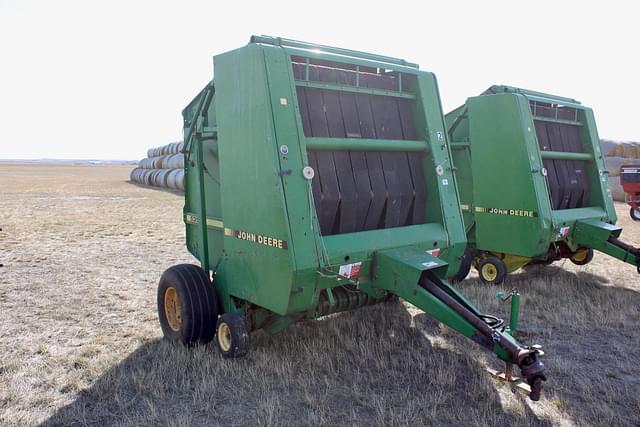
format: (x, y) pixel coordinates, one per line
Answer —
(367, 190)
(567, 179)
(360, 190)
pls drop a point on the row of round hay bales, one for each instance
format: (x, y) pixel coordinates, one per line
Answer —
(170, 161)
(173, 161)
(167, 178)
(628, 150)
(172, 148)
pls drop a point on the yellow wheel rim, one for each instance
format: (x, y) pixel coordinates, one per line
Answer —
(489, 272)
(172, 308)
(224, 337)
(580, 256)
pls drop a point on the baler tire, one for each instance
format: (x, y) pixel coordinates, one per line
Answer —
(465, 267)
(496, 267)
(588, 257)
(187, 305)
(232, 336)
(635, 215)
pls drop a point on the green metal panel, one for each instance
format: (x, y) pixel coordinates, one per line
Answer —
(301, 216)
(512, 213)
(405, 265)
(431, 235)
(567, 216)
(253, 204)
(204, 152)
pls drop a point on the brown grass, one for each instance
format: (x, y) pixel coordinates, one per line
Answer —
(80, 343)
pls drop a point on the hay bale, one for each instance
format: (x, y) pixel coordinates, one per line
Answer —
(628, 150)
(616, 189)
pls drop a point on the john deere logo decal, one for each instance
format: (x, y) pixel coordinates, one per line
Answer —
(507, 212)
(248, 236)
(256, 238)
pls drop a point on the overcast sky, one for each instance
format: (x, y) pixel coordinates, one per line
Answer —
(108, 79)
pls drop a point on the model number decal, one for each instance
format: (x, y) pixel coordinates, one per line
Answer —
(508, 212)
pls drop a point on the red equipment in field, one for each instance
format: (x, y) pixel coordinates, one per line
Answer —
(630, 181)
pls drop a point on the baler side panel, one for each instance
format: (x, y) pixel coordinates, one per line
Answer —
(253, 267)
(507, 204)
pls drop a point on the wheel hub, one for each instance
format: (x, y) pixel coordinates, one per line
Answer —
(580, 256)
(172, 309)
(489, 272)
(224, 337)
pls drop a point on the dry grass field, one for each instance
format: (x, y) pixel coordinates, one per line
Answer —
(80, 342)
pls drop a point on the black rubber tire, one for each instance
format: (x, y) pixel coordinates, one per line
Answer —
(500, 270)
(238, 333)
(584, 261)
(465, 267)
(635, 215)
(199, 305)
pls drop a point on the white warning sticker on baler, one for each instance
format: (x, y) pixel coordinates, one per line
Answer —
(350, 271)
(430, 264)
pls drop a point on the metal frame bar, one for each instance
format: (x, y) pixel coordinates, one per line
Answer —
(278, 41)
(365, 62)
(363, 144)
(560, 101)
(562, 155)
(355, 89)
(561, 121)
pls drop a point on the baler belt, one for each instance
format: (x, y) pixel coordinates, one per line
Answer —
(357, 191)
(567, 179)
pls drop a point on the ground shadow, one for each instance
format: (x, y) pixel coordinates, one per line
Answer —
(373, 366)
(590, 330)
